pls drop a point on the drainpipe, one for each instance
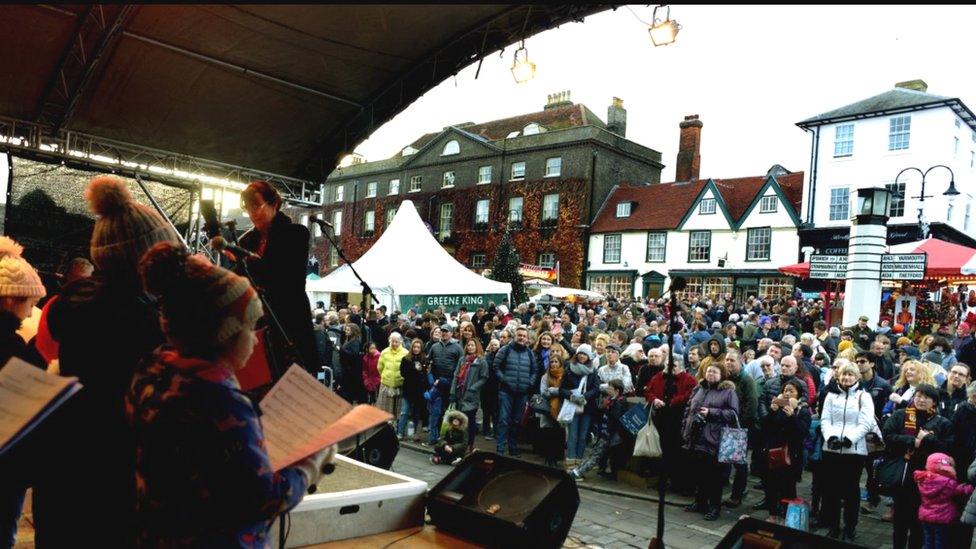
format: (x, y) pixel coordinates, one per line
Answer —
(814, 154)
(588, 222)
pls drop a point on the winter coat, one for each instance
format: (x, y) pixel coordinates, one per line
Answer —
(899, 442)
(969, 513)
(617, 371)
(371, 373)
(104, 328)
(12, 345)
(444, 358)
(684, 386)
(772, 388)
(389, 366)
(414, 380)
(967, 352)
(202, 473)
(949, 402)
(708, 358)
(963, 437)
(516, 369)
(848, 414)
(456, 438)
(281, 274)
(879, 389)
(746, 390)
(474, 380)
(723, 409)
(571, 382)
(939, 497)
(779, 429)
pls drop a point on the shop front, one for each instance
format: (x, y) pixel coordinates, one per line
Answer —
(739, 284)
(619, 284)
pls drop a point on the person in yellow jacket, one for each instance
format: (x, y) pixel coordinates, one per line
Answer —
(391, 382)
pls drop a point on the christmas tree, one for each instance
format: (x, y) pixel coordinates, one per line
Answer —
(504, 268)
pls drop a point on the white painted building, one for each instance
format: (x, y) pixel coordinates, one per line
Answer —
(725, 236)
(867, 144)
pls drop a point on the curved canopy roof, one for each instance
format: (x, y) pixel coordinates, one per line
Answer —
(283, 89)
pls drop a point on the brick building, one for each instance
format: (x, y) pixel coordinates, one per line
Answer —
(542, 175)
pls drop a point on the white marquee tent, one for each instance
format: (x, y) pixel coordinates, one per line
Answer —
(406, 265)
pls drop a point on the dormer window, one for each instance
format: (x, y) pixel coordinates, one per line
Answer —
(623, 209)
(452, 147)
(532, 129)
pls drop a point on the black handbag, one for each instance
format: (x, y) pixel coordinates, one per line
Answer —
(891, 475)
(540, 404)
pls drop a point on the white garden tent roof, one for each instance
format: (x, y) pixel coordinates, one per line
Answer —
(407, 260)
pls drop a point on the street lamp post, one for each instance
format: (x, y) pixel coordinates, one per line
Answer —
(951, 193)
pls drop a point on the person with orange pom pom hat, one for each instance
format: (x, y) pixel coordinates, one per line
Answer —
(104, 326)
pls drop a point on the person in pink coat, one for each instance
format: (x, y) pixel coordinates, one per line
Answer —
(371, 374)
(941, 495)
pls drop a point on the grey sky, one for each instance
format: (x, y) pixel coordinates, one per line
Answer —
(750, 72)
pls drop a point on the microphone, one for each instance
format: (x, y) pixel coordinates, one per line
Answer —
(219, 244)
(320, 222)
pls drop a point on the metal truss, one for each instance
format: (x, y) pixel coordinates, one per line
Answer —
(91, 152)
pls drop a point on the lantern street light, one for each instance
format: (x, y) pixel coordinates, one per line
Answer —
(951, 193)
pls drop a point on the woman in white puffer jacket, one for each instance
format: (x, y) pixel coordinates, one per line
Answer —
(846, 419)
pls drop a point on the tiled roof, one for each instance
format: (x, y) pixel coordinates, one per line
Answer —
(657, 206)
(662, 206)
(556, 118)
(897, 98)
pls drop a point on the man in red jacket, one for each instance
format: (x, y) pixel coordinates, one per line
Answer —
(668, 410)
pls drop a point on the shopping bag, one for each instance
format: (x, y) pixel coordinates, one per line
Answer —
(733, 447)
(567, 412)
(797, 514)
(635, 418)
(648, 443)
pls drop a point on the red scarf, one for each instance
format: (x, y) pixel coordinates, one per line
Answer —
(463, 373)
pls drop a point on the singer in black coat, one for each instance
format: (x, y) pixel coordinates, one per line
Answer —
(280, 275)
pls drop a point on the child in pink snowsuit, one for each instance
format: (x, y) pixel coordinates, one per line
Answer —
(940, 499)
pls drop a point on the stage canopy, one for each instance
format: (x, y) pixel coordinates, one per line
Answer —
(285, 89)
(406, 266)
(945, 259)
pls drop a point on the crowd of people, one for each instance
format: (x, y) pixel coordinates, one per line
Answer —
(843, 407)
(165, 439)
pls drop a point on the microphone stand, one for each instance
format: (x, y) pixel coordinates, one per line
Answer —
(677, 284)
(363, 303)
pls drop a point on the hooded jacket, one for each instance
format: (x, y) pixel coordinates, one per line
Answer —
(723, 409)
(457, 438)
(706, 352)
(939, 494)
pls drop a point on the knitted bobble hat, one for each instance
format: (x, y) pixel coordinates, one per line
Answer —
(17, 277)
(125, 229)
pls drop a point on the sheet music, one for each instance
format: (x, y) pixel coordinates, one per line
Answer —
(301, 416)
(27, 395)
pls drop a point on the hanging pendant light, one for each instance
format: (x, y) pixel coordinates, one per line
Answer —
(522, 69)
(663, 32)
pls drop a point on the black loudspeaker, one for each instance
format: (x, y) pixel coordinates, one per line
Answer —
(377, 447)
(497, 500)
(751, 533)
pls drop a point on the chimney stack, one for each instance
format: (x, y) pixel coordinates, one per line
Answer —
(617, 117)
(558, 99)
(689, 149)
(917, 85)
